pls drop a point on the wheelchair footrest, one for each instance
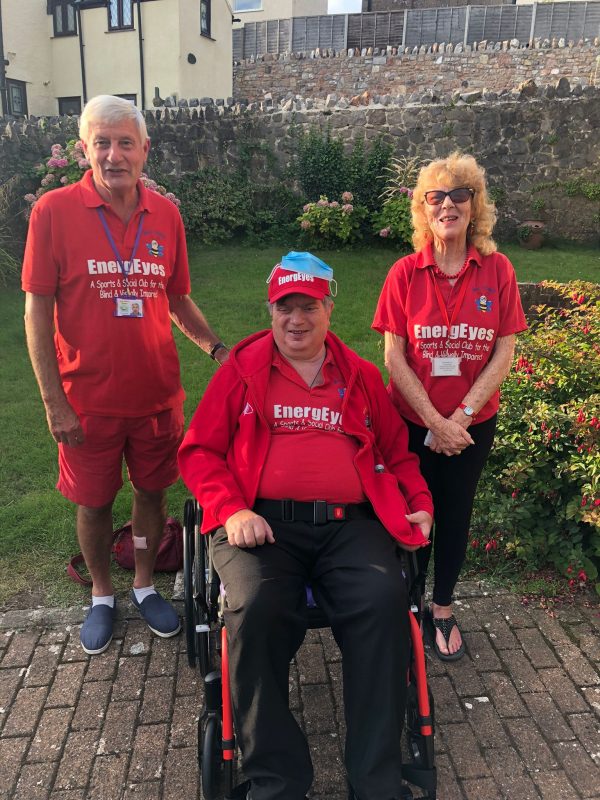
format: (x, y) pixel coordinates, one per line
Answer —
(239, 792)
(423, 777)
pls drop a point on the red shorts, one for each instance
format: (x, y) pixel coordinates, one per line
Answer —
(92, 473)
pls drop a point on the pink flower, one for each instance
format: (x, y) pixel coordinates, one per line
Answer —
(83, 163)
(305, 224)
(385, 232)
(323, 202)
(48, 179)
(582, 576)
(307, 207)
(170, 196)
(334, 204)
(56, 150)
(347, 197)
(64, 180)
(347, 208)
(30, 198)
(597, 502)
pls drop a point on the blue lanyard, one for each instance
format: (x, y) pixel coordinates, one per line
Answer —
(111, 241)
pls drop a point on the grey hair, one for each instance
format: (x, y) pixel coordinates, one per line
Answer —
(327, 303)
(110, 109)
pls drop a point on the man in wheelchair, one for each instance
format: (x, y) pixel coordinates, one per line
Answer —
(301, 464)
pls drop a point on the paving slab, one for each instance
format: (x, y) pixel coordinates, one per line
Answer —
(518, 717)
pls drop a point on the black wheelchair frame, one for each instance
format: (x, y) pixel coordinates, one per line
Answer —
(206, 640)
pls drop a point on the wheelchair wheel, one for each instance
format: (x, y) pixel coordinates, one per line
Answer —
(200, 582)
(206, 605)
(189, 522)
(211, 759)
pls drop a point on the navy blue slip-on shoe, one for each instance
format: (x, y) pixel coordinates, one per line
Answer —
(159, 614)
(97, 629)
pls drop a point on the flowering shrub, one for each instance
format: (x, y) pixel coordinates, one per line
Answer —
(394, 220)
(539, 497)
(332, 223)
(66, 165)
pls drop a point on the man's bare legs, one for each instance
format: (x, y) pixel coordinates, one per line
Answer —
(95, 534)
(148, 519)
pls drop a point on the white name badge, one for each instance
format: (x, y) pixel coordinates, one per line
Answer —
(129, 307)
(445, 367)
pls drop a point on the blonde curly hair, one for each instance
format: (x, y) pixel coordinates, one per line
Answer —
(457, 170)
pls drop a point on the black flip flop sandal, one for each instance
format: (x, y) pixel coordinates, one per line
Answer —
(445, 626)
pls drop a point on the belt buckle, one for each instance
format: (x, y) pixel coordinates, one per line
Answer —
(319, 512)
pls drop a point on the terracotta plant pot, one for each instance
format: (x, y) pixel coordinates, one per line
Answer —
(531, 234)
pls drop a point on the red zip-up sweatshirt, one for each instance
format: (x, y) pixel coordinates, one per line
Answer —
(225, 448)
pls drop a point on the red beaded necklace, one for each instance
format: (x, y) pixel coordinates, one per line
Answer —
(441, 274)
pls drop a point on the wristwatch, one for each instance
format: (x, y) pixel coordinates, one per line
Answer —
(470, 412)
(213, 350)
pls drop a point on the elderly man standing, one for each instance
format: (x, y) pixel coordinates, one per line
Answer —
(302, 467)
(105, 272)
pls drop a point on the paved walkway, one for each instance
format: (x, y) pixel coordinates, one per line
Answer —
(517, 718)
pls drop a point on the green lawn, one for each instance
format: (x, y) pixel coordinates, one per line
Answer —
(36, 523)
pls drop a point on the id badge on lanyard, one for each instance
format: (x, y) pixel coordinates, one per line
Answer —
(126, 304)
(448, 366)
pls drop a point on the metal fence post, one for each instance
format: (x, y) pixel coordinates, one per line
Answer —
(467, 20)
(533, 16)
(404, 25)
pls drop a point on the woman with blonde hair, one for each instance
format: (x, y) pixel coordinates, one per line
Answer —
(449, 313)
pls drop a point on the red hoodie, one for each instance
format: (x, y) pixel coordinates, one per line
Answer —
(225, 448)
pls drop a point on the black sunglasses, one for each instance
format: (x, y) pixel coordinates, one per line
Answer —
(436, 197)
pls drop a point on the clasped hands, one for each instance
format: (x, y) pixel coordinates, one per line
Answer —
(450, 436)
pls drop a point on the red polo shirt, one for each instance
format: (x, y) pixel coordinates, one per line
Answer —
(109, 365)
(482, 305)
(310, 457)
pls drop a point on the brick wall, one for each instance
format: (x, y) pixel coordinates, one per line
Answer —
(401, 75)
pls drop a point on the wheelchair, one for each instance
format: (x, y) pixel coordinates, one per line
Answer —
(206, 639)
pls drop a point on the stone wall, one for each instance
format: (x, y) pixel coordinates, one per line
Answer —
(523, 138)
(494, 66)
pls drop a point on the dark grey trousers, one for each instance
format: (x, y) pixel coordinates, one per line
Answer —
(355, 570)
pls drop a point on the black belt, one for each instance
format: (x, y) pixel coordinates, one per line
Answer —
(319, 512)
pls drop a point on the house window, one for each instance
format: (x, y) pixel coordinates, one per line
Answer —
(205, 17)
(247, 5)
(69, 106)
(17, 97)
(120, 15)
(131, 97)
(63, 17)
